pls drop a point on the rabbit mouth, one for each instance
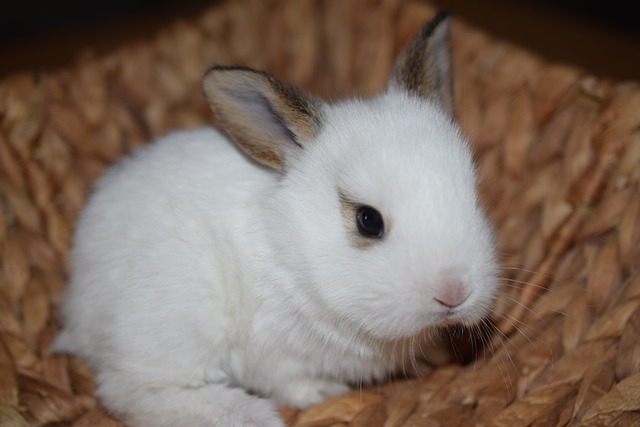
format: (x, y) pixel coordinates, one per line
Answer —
(448, 317)
(454, 316)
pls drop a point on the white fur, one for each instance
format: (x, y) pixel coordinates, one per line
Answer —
(195, 271)
(198, 275)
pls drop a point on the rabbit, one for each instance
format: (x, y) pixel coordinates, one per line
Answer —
(215, 276)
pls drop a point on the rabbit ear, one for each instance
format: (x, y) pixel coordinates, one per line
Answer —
(424, 69)
(269, 120)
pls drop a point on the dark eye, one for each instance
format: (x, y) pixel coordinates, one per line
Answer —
(370, 222)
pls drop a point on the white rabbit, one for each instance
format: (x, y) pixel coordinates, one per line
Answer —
(205, 278)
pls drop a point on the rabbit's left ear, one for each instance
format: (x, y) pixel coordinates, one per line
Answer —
(424, 69)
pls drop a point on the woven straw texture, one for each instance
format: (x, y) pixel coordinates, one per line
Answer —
(559, 156)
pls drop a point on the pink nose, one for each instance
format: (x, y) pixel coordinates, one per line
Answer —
(451, 294)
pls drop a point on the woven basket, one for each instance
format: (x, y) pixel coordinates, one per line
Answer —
(559, 157)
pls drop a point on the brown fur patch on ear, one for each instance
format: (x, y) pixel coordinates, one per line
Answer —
(266, 154)
(424, 69)
(301, 113)
(269, 120)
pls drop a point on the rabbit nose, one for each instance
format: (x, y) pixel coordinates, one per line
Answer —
(451, 294)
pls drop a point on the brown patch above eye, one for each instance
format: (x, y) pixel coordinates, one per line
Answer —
(349, 208)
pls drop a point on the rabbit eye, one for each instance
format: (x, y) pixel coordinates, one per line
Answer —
(370, 223)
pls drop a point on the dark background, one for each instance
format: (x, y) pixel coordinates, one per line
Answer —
(601, 36)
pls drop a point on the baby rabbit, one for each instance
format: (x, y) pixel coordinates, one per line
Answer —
(207, 276)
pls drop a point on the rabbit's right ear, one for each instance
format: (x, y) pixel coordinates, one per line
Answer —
(269, 120)
(425, 67)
